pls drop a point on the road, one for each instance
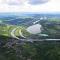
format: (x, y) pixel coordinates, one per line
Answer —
(20, 32)
(13, 33)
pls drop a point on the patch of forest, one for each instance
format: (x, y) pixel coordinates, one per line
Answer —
(12, 49)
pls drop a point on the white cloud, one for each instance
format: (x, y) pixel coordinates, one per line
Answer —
(51, 6)
(15, 2)
(12, 2)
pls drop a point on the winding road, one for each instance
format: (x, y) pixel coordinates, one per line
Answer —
(13, 33)
(20, 32)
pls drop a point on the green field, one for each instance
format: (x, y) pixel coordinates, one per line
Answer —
(5, 30)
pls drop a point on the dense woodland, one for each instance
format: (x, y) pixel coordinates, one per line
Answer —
(37, 50)
(14, 49)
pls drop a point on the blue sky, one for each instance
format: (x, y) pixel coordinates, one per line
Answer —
(36, 2)
(30, 6)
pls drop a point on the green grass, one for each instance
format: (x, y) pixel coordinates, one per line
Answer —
(17, 31)
(7, 29)
(54, 20)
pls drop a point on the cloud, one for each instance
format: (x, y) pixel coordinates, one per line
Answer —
(20, 2)
(35, 2)
(51, 6)
(12, 2)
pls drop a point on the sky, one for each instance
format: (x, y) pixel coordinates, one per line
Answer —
(30, 6)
